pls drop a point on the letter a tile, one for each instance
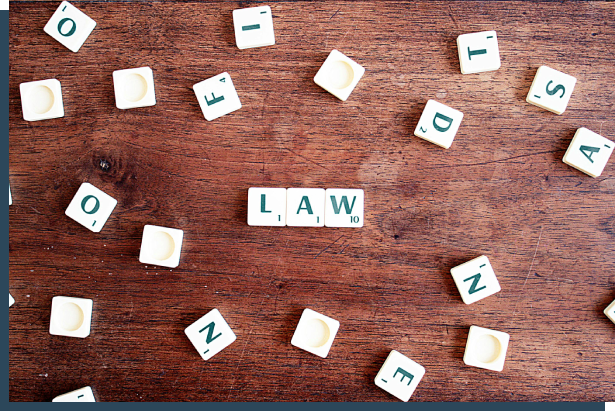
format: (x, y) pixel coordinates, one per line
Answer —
(589, 152)
(305, 207)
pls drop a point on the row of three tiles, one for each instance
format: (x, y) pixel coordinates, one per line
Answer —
(305, 207)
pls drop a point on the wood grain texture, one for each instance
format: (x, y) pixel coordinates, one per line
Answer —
(500, 190)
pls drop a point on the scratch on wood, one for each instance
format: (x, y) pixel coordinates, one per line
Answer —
(450, 14)
(306, 159)
(230, 391)
(533, 258)
(335, 14)
(327, 247)
(496, 161)
(531, 266)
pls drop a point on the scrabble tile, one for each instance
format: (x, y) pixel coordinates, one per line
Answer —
(609, 311)
(41, 100)
(305, 207)
(70, 26)
(84, 394)
(551, 90)
(11, 300)
(91, 207)
(399, 376)
(315, 333)
(134, 88)
(253, 27)
(10, 197)
(475, 279)
(210, 334)
(344, 207)
(486, 348)
(339, 75)
(217, 96)
(478, 52)
(589, 152)
(267, 206)
(438, 124)
(161, 246)
(70, 317)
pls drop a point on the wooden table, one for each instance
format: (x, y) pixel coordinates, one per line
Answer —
(501, 190)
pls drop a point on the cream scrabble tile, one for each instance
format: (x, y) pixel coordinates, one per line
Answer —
(91, 207)
(438, 124)
(134, 88)
(589, 152)
(84, 394)
(609, 311)
(486, 348)
(210, 334)
(339, 75)
(267, 206)
(70, 317)
(315, 333)
(478, 52)
(344, 207)
(551, 90)
(253, 27)
(161, 246)
(70, 26)
(11, 300)
(217, 96)
(305, 207)
(41, 100)
(399, 376)
(10, 196)
(475, 279)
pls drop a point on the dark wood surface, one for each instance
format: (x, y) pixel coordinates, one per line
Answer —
(500, 190)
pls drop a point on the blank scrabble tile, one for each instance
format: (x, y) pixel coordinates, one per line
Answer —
(134, 88)
(267, 206)
(217, 96)
(344, 207)
(41, 100)
(11, 300)
(475, 279)
(551, 90)
(210, 334)
(486, 348)
(478, 52)
(609, 311)
(10, 197)
(91, 207)
(70, 317)
(305, 207)
(84, 394)
(589, 152)
(339, 75)
(438, 124)
(399, 376)
(253, 27)
(161, 246)
(70, 26)
(315, 333)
